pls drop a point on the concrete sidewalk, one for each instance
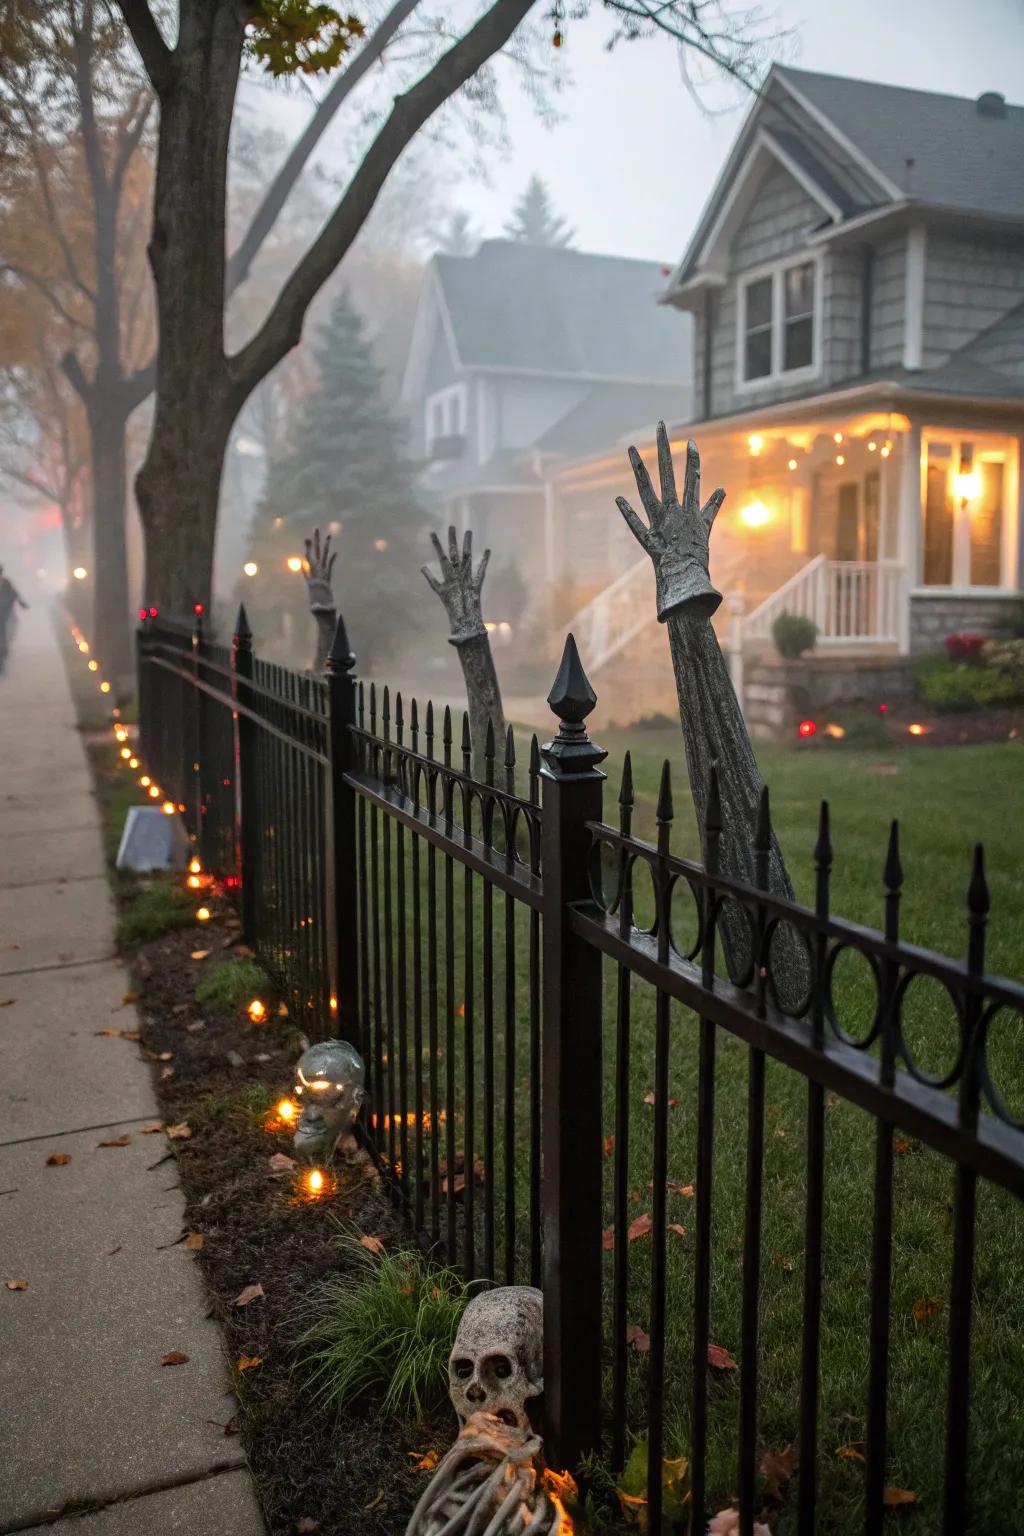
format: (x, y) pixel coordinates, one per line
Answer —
(91, 1420)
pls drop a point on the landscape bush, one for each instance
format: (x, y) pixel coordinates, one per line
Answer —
(793, 635)
(961, 686)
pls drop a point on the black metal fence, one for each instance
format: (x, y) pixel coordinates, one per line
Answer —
(512, 966)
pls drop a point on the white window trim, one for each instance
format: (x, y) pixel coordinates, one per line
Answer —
(456, 394)
(1010, 530)
(775, 270)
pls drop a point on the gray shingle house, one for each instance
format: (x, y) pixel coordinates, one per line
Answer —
(856, 283)
(526, 357)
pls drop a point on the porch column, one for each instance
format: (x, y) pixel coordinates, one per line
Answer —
(909, 519)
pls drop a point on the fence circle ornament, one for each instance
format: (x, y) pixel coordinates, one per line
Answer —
(685, 915)
(835, 954)
(914, 1066)
(989, 1034)
(606, 869)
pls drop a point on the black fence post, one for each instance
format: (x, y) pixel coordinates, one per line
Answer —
(141, 688)
(247, 820)
(572, 1087)
(341, 869)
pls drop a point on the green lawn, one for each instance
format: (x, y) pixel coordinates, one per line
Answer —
(945, 799)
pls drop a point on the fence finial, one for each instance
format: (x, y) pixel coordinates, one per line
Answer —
(893, 872)
(978, 898)
(510, 747)
(340, 657)
(823, 847)
(243, 633)
(665, 811)
(626, 790)
(572, 699)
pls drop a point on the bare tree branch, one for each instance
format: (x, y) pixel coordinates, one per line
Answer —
(157, 58)
(282, 328)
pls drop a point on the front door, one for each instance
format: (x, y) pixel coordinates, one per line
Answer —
(966, 511)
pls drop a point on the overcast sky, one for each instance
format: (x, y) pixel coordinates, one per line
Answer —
(634, 158)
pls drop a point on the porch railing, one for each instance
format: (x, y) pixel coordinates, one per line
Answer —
(849, 600)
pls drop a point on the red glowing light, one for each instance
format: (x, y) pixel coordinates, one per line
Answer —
(198, 608)
(883, 709)
(143, 612)
(232, 882)
(153, 612)
(807, 728)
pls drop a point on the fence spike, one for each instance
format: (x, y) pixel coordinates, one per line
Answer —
(893, 873)
(242, 630)
(665, 812)
(489, 742)
(341, 657)
(385, 711)
(713, 806)
(430, 728)
(399, 718)
(571, 697)
(373, 709)
(510, 747)
(823, 847)
(534, 756)
(446, 734)
(626, 790)
(362, 704)
(414, 724)
(467, 739)
(978, 898)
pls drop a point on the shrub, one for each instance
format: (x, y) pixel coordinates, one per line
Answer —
(656, 722)
(386, 1326)
(1007, 656)
(966, 648)
(162, 907)
(960, 687)
(232, 984)
(793, 635)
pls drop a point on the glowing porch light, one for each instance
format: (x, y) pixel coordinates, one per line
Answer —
(294, 563)
(967, 485)
(203, 915)
(917, 729)
(755, 442)
(79, 573)
(792, 464)
(257, 1011)
(837, 437)
(755, 514)
(250, 568)
(840, 459)
(872, 445)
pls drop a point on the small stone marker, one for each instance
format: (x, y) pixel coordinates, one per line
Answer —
(151, 840)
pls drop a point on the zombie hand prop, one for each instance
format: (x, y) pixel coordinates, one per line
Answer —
(319, 568)
(458, 587)
(675, 536)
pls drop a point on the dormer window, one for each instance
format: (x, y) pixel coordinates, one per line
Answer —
(778, 322)
(446, 422)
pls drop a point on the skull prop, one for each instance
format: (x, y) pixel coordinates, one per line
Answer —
(497, 1365)
(329, 1082)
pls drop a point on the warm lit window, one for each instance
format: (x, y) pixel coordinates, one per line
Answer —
(777, 321)
(967, 496)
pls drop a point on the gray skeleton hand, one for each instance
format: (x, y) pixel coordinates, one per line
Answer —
(459, 588)
(318, 569)
(675, 537)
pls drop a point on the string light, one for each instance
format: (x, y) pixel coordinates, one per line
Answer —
(168, 807)
(79, 573)
(203, 915)
(257, 1010)
(294, 563)
(250, 568)
(286, 1110)
(104, 687)
(145, 781)
(94, 666)
(917, 729)
(840, 459)
(133, 762)
(792, 463)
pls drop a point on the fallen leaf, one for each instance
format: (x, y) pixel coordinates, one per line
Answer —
(777, 1468)
(637, 1340)
(852, 1452)
(166, 1072)
(461, 1011)
(641, 1227)
(58, 1159)
(174, 1357)
(16, 1285)
(280, 1162)
(306, 1523)
(164, 1056)
(650, 1099)
(117, 1141)
(111, 1033)
(251, 1293)
(925, 1309)
(151, 1130)
(282, 1010)
(680, 1189)
(194, 1241)
(5, 1002)
(374, 1502)
(609, 1145)
(129, 997)
(112, 1251)
(635, 1196)
(720, 1358)
(374, 1244)
(199, 954)
(180, 1132)
(900, 1145)
(676, 1227)
(786, 1265)
(131, 1034)
(608, 1239)
(426, 1463)
(896, 1498)
(249, 1362)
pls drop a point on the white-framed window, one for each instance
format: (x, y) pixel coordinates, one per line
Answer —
(446, 413)
(778, 322)
(969, 497)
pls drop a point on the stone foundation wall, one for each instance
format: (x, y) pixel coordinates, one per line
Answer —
(933, 618)
(779, 694)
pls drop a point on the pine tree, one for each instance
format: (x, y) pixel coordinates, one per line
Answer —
(534, 221)
(345, 470)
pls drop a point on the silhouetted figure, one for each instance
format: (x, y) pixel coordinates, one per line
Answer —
(10, 599)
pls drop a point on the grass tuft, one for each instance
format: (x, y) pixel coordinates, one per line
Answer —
(232, 984)
(162, 907)
(385, 1328)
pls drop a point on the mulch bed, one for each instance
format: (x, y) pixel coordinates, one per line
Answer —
(315, 1472)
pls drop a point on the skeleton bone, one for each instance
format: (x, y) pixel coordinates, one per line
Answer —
(318, 569)
(491, 1483)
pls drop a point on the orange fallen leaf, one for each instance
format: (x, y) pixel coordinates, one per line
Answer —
(897, 1498)
(637, 1340)
(925, 1309)
(199, 954)
(641, 1227)
(899, 1144)
(180, 1132)
(305, 1524)
(461, 1011)
(786, 1265)
(111, 1033)
(249, 1362)
(131, 1034)
(609, 1145)
(720, 1358)
(426, 1463)
(608, 1239)
(676, 1227)
(5, 1002)
(129, 997)
(777, 1469)
(852, 1452)
(151, 1130)
(58, 1159)
(280, 1162)
(374, 1244)
(649, 1098)
(250, 1293)
(116, 1141)
(174, 1357)
(194, 1241)
(16, 1285)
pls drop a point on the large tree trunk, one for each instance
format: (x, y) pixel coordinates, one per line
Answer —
(111, 629)
(196, 397)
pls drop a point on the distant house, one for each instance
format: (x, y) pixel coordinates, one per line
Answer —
(524, 358)
(856, 283)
